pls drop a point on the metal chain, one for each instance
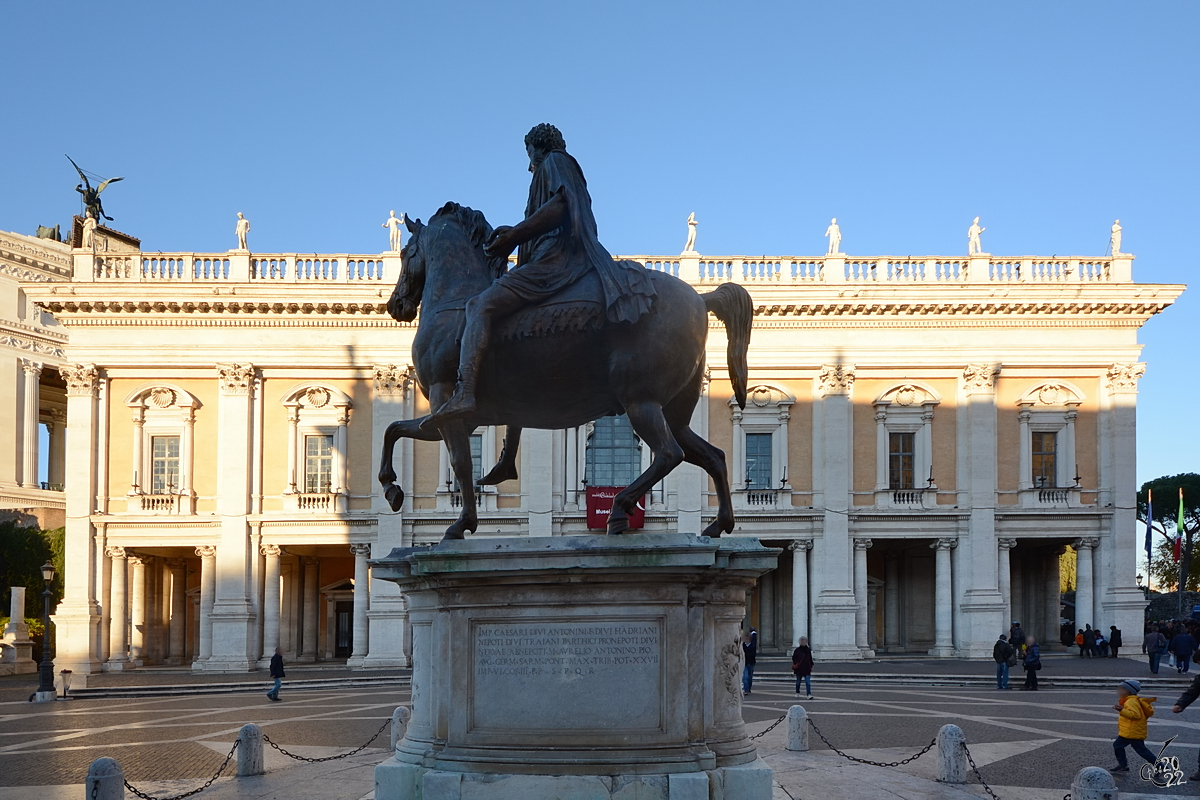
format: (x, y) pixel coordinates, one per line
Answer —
(975, 769)
(770, 728)
(355, 751)
(910, 759)
(207, 783)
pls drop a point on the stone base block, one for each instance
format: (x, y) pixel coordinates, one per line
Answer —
(45, 697)
(396, 780)
(118, 666)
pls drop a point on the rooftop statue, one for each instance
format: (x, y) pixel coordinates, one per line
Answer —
(88, 239)
(91, 197)
(243, 228)
(565, 337)
(690, 247)
(393, 224)
(835, 238)
(1115, 239)
(974, 247)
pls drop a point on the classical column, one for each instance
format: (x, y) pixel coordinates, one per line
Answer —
(943, 627)
(270, 601)
(362, 603)
(208, 588)
(1083, 581)
(56, 468)
(860, 593)
(117, 641)
(29, 427)
(1053, 626)
(311, 622)
(891, 601)
(1004, 580)
(179, 610)
(799, 548)
(137, 604)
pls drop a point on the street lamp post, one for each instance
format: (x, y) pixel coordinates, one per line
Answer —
(46, 691)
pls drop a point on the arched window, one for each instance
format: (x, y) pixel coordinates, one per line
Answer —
(614, 454)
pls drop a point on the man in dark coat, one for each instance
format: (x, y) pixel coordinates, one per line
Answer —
(1001, 653)
(558, 246)
(750, 651)
(802, 666)
(1183, 644)
(276, 673)
(1089, 642)
(1185, 700)
(1114, 640)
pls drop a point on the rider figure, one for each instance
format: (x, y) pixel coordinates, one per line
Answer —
(558, 246)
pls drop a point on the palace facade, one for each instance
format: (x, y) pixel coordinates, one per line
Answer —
(924, 438)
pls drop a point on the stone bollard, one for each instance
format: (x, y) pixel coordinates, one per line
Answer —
(105, 780)
(1094, 783)
(399, 725)
(250, 751)
(797, 728)
(952, 755)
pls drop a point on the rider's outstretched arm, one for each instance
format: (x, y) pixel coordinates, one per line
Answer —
(551, 215)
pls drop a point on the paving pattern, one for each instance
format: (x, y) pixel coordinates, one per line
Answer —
(1036, 741)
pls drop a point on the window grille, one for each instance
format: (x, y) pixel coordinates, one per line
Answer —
(614, 456)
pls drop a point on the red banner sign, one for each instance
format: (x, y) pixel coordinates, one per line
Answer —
(599, 504)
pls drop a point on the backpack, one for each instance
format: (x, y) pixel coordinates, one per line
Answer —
(1012, 658)
(1162, 645)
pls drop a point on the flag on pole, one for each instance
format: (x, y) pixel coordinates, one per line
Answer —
(1149, 524)
(1177, 542)
(1179, 523)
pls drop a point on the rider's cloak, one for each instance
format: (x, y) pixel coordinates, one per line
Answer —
(552, 261)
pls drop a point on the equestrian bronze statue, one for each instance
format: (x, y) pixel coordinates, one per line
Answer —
(565, 337)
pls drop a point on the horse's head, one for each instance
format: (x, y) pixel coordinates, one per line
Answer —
(402, 305)
(452, 247)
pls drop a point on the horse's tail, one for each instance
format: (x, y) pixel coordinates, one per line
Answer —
(732, 305)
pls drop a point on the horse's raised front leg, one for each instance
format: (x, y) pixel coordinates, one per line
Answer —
(650, 424)
(457, 436)
(405, 428)
(712, 460)
(506, 467)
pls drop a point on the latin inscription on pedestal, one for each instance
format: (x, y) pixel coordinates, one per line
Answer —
(609, 674)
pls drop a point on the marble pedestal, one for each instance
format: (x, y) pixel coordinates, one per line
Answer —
(589, 667)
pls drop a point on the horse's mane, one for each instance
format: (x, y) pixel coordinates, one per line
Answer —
(477, 228)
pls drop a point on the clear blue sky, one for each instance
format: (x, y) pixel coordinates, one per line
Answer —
(904, 120)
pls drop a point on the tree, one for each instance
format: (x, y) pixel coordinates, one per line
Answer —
(1163, 568)
(23, 551)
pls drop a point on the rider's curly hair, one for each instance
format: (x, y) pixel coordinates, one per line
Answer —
(545, 138)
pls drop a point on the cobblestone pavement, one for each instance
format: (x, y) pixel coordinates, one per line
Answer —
(1028, 744)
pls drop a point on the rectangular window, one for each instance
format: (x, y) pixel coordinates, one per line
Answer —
(318, 464)
(613, 455)
(1045, 459)
(758, 461)
(476, 460)
(900, 460)
(164, 467)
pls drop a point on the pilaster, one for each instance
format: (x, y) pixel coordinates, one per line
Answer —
(1118, 600)
(232, 617)
(78, 615)
(537, 480)
(835, 608)
(387, 618)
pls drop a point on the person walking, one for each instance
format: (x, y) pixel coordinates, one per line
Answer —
(276, 673)
(1032, 663)
(1089, 641)
(750, 651)
(1079, 642)
(1183, 645)
(1154, 645)
(1131, 725)
(1003, 653)
(1186, 699)
(802, 666)
(1016, 635)
(1114, 640)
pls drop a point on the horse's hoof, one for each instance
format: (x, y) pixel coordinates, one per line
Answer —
(498, 474)
(394, 496)
(453, 534)
(714, 531)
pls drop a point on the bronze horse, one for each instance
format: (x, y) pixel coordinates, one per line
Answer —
(651, 369)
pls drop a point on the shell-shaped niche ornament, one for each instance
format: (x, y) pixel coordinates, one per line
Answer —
(317, 396)
(161, 397)
(1050, 394)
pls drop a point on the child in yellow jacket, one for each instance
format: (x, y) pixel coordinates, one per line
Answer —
(1131, 725)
